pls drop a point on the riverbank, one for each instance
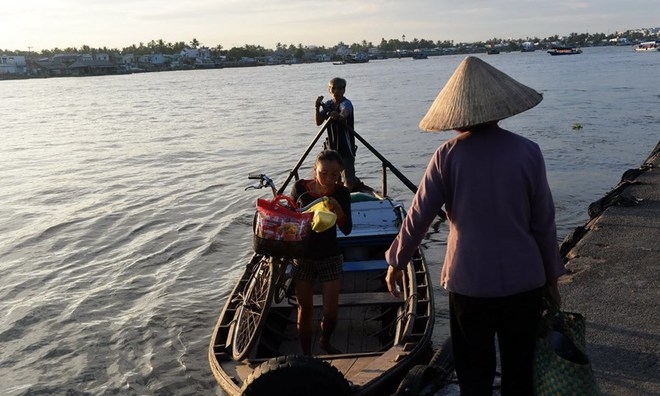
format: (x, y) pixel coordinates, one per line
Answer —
(614, 277)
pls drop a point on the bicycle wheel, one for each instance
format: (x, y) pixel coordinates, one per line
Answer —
(253, 309)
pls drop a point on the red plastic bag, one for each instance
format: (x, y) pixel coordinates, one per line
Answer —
(280, 230)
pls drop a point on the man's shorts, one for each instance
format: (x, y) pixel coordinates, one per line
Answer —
(325, 269)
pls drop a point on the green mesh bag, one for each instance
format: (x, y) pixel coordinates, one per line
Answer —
(561, 365)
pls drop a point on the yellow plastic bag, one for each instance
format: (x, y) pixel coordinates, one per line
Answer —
(324, 218)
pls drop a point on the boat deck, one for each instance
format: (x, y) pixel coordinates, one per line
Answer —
(366, 323)
(366, 313)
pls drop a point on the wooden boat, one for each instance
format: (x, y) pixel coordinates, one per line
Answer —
(381, 337)
(564, 51)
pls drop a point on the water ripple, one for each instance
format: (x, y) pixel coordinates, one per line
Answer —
(125, 215)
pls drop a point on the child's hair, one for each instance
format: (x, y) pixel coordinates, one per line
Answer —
(329, 155)
(338, 81)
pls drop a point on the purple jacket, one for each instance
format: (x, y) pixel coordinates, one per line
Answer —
(502, 234)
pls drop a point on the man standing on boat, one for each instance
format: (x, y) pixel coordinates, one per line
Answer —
(339, 110)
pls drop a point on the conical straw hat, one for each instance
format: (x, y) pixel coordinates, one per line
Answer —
(475, 94)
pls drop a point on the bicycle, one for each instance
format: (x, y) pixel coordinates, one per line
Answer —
(283, 266)
(270, 281)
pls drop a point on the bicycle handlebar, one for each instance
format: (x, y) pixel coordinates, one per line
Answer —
(264, 181)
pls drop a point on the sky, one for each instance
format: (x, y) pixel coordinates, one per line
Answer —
(47, 24)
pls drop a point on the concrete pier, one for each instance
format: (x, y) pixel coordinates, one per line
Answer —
(614, 281)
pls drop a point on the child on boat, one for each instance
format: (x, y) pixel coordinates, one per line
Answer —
(322, 260)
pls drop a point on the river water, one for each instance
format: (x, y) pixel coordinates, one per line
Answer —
(124, 219)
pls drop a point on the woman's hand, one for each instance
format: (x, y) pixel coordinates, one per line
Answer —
(552, 291)
(335, 207)
(394, 280)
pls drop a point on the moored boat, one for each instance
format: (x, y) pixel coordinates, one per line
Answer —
(254, 349)
(564, 51)
(647, 46)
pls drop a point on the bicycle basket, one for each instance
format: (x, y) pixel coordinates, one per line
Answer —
(280, 230)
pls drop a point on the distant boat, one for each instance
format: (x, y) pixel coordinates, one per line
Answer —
(493, 51)
(360, 57)
(419, 55)
(564, 51)
(647, 46)
(527, 46)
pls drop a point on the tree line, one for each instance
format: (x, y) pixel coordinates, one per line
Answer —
(299, 50)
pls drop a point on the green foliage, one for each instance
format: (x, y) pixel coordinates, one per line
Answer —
(299, 51)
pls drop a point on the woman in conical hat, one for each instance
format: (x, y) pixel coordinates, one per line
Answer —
(502, 253)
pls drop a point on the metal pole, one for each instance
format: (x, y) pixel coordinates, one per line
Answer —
(387, 163)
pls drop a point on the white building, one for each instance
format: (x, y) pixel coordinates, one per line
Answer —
(620, 41)
(10, 64)
(196, 53)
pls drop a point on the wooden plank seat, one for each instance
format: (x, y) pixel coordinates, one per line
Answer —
(365, 265)
(350, 300)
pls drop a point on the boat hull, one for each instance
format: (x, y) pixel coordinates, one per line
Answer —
(647, 46)
(381, 337)
(564, 51)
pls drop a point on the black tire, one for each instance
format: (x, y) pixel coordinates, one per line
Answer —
(296, 375)
(252, 310)
(443, 362)
(415, 380)
(444, 356)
